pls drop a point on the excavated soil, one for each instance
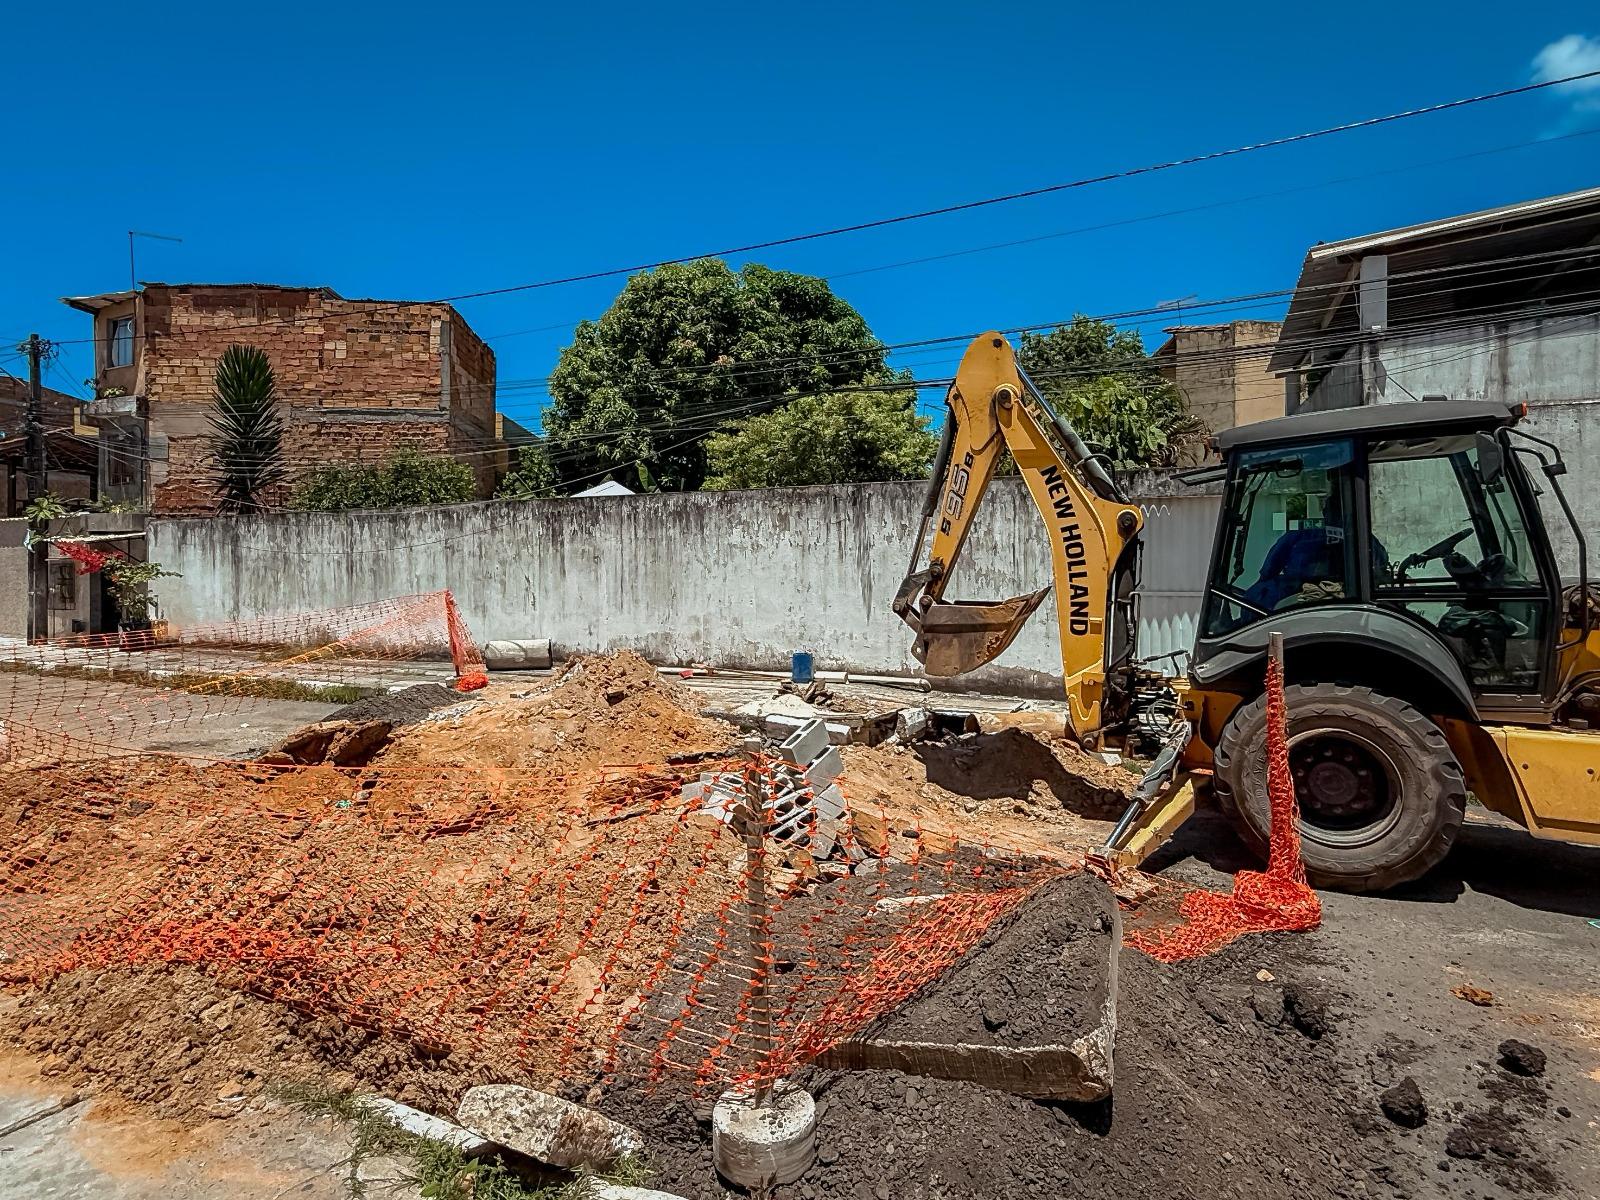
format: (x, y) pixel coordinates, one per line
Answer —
(1219, 1092)
(1011, 789)
(1236, 1074)
(1209, 1101)
(1038, 977)
(405, 707)
(603, 711)
(189, 1047)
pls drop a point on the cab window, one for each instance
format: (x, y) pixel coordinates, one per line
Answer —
(1454, 553)
(1286, 538)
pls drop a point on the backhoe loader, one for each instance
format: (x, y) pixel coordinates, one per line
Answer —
(1432, 650)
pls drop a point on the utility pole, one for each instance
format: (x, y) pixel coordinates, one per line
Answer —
(38, 483)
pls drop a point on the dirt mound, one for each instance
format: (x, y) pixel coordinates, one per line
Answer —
(405, 707)
(1010, 788)
(1036, 979)
(188, 1046)
(1208, 1102)
(599, 711)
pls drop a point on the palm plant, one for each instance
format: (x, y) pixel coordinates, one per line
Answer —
(247, 443)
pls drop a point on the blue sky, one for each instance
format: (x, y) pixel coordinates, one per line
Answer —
(409, 151)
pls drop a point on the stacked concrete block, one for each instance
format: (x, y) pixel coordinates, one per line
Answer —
(804, 805)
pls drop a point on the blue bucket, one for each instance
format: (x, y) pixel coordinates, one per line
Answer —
(801, 666)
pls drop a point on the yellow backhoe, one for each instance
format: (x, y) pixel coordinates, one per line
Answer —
(1432, 649)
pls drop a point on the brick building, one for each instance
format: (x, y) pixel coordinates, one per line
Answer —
(69, 446)
(357, 380)
(1221, 371)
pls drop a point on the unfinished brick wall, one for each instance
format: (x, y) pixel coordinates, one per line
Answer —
(357, 380)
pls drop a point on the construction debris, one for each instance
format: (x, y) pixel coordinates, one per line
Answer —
(425, 1125)
(766, 1140)
(531, 654)
(339, 743)
(546, 1127)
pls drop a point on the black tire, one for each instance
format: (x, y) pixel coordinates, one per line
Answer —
(1382, 795)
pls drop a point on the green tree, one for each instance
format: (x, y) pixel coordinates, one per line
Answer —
(847, 437)
(409, 479)
(1101, 379)
(685, 348)
(534, 476)
(247, 430)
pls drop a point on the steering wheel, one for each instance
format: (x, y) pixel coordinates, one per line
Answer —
(1438, 550)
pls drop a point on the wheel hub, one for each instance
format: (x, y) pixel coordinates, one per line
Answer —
(1339, 783)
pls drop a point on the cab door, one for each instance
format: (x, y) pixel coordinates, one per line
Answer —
(1455, 555)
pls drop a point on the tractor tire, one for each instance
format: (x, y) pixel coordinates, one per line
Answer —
(1381, 794)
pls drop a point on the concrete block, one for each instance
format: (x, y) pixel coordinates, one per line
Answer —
(911, 723)
(829, 803)
(779, 726)
(546, 1127)
(767, 1146)
(426, 1125)
(805, 744)
(825, 768)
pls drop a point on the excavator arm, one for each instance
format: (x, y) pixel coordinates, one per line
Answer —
(1092, 526)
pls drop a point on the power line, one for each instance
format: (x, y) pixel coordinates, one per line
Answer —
(985, 202)
(745, 404)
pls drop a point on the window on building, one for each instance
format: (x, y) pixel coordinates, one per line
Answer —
(119, 342)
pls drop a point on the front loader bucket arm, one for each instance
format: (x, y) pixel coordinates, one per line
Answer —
(1093, 530)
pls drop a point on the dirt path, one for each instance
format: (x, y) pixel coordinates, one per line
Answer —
(106, 1149)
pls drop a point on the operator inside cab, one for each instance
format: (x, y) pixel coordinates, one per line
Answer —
(1307, 562)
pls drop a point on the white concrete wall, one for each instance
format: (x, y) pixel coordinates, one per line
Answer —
(733, 578)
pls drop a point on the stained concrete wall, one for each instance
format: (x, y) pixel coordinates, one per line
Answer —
(732, 578)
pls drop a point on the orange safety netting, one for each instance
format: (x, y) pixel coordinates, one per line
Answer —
(528, 931)
(163, 688)
(547, 925)
(1261, 902)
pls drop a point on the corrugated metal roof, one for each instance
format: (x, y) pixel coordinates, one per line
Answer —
(1324, 298)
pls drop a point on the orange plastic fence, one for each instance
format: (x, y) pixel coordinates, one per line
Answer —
(530, 932)
(1261, 902)
(536, 924)
(557, 926)
(163, 688)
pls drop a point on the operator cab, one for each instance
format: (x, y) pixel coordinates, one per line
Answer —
(1411, 529)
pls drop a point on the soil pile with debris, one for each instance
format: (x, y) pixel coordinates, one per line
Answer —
(404, 707)
(1037, 978)
(188, 1046)
(598, 711)
(1209, 1100)
(1012, 788)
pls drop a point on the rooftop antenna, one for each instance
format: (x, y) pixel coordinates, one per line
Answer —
(1176, 306)
(133, 275)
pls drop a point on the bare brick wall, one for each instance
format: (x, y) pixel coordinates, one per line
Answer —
(357, 379)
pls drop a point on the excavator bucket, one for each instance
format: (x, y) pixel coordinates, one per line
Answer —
(958, 636)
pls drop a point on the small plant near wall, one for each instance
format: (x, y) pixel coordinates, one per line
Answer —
(130, 586)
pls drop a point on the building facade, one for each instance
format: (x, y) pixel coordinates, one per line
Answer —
(1221, 371)
(1499, 305)
(356, 380)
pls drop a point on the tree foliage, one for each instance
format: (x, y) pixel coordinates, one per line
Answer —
(1101, 379)
(534, 476)
(247, 430)
(409, 479)
(848, 437)
(687, 347)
